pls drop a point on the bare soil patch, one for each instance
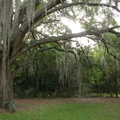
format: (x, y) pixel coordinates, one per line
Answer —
(30, 104)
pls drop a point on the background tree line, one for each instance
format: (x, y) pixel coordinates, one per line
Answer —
(41, 78)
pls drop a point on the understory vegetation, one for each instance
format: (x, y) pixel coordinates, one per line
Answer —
(49, 75)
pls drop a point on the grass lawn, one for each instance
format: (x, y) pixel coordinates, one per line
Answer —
(68, 111)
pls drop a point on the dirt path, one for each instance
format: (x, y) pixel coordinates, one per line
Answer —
(29, 104)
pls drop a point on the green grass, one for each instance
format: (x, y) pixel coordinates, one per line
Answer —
(71, 111)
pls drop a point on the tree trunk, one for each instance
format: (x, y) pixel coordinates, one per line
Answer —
(116, 94)
(116, 87)
(6, 89)
(0, 86)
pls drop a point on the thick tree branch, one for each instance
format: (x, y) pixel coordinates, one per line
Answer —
(59, 38)
(82, 3)
(41, 13)
(23, 10)
(69, 51)
(25, 26)
(25, 63)
(115, 57)
(100, 38)
(106, 46)
(116, 33)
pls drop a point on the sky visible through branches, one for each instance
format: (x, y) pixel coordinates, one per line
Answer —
(76, 27)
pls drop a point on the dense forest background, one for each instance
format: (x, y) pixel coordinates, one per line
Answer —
(61, 69)
(50, 75)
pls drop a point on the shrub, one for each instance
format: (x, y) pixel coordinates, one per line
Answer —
(30, 93)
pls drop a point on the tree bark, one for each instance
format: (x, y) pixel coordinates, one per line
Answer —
(6, 90)
(1, 86)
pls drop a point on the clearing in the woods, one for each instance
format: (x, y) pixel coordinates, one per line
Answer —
(65, 109)
(32, 104)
